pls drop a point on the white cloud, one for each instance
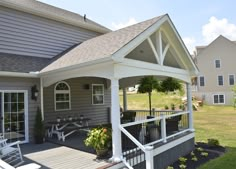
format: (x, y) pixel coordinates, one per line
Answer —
(120, 25)
(217, 27)
(190, 43)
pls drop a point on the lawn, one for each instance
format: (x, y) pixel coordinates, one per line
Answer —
(209, 121)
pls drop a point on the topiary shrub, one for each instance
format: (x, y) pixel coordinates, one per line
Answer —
(213, 142)
(39, 131)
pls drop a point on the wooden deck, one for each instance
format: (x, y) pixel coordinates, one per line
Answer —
(53, 156)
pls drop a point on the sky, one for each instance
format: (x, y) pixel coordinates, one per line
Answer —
(198, 22)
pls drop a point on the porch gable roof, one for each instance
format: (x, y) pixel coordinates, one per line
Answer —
(117, 44)
(102, 46)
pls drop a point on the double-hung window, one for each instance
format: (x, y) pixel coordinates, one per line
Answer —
(97, 94)
(62, 96)
(220, 80)
(202, 81)
(219, 99)
(231, 79)
(217, 63)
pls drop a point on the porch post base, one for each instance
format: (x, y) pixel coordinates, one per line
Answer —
(115, 159)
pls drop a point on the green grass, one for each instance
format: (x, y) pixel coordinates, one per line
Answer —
(159, 100)
(217, 122)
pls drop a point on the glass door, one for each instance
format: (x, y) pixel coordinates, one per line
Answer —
(1, 113)
(14, 127)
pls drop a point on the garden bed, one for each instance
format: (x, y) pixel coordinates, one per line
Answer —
(202, 154)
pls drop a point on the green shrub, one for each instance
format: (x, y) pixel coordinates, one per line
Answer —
(204, 154)
(192, 153)
(172, 106)
(182, 160)
(182, 166)
(182, 107)
(213, 142)
(194, 158)
(200, 149)
(39, 131)
(169, 167)
(166, 107)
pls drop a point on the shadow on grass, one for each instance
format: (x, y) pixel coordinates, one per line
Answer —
(226, 161)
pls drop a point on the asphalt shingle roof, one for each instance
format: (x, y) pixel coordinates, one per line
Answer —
(23, 64)
(101, 46)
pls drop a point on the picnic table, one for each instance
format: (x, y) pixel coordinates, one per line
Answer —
(64, 128)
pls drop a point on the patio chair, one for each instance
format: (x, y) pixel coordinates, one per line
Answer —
(10, 152)
(172, 124)
(4, 165)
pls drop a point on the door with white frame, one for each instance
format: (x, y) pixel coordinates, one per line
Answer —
(14, 115)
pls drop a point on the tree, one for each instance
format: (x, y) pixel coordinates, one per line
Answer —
(169, 85)
(147, 85)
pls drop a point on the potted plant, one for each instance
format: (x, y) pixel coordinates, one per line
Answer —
(39, 132)
(100, 139)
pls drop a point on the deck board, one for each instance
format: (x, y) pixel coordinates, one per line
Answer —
(52, 156)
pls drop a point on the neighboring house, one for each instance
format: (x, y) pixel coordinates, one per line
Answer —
(216, 63)
(69, 65)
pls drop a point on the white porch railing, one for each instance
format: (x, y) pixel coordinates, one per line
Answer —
(155, 130)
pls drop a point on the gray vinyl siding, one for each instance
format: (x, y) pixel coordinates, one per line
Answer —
(26, 34)
(11, 83)
(81, 101)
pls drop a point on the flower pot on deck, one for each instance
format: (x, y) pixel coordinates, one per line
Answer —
(102, 152)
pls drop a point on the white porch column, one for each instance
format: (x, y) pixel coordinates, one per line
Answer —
(190, 106)
(115, 120)
(41, 98)
(124, 99)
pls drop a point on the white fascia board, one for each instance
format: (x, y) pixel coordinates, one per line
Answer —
(94, 62)
(120, 54)
(18, 74)
(183, 45)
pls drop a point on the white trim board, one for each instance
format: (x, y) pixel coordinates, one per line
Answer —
(172, 144)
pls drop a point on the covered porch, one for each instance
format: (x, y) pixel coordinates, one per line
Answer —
(150, 48)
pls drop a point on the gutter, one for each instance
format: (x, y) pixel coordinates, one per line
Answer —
(17, 74)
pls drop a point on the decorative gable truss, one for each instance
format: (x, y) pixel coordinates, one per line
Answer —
(159, 51)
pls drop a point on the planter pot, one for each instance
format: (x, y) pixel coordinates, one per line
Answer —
(102, 152)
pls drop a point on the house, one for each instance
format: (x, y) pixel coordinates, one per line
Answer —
(69, 65)
(217, 72)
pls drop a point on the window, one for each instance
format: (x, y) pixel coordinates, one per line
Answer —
(62, 96)
(202, 81)
(220, 80)
(219, 99)
(217, 63)
(231, 79)
(97, 94)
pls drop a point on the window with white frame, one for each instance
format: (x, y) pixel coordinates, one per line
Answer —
(219, 99)
(217, 63)
(202, 81)
(97, 94)
(220, 80)
(231, 79)
(62, 96)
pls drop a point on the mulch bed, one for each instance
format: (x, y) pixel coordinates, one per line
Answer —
(213, 152)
